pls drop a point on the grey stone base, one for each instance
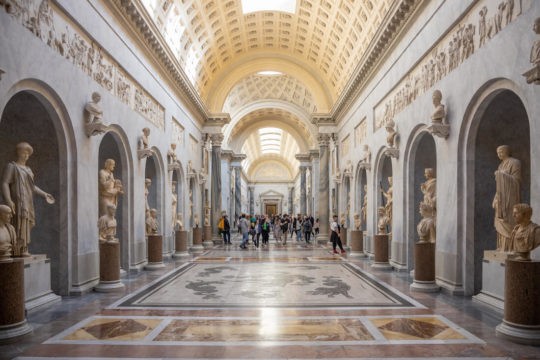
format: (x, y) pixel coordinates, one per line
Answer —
(109, 286)
(492, 300)
(154, 266)
(208, 244)
(10, 333)
(381, 266)
(521, 334)
(181, 254)
(196, 249)
(450, 288)
(42, 300)
(37, 282)
(425, 286)
(399, 267)
(357, 254)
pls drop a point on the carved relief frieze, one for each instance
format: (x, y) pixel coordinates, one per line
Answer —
(177, 133)
(482, 23)
(360, 132)
(50, 24)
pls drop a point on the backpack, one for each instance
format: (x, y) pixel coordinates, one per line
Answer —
(265, 226)
(221, 224)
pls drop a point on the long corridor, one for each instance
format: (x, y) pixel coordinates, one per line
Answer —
(292, 301)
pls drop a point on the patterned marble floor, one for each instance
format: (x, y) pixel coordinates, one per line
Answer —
(293, 302)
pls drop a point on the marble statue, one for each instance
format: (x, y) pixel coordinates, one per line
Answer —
(525, 236)
(174, 202)
(109, 187)
(147, 183)
(382, 221)
(439, 113)
(391, 133)
(94, 116)
(508, 180)
(107, 225)
(143, 149)
(388, 195)
(190, 169)
(18, 189)
(427, 226)
(342, 220)
(179, 225)
(535, 50)
(207, 214)
(365, 204)
(171, 155)
(196, 220)
(429, 188)
(151, 222)
(367, 155)
(7, 234)
(357, 221)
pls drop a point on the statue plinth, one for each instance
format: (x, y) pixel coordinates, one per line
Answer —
(109, 267)
(380, 260)
(12, 314)
(424, 268)
(155, 253)
(521, 322)
(533, 75)
(197, 247)
(144, 153)
(493, 268)
(173, 166)
(207, 237)
(439, 129)
(181, 243)
(392, 152)
(94, 129)
(364, 165)
(357, 243)
(37, 282)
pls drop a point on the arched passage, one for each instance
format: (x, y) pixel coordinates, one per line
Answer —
(496, 117)
(33, 114)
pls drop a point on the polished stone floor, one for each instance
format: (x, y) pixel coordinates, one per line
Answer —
(281, 302)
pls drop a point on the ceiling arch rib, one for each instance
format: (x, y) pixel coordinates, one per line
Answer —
(324, 35)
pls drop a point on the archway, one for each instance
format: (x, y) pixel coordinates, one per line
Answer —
(422, 156)
(114, 146)
(496, 117)
(31, 116)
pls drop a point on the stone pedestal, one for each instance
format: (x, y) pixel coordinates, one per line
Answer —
(357, 243)
(109, 267)
(493, 269)
(424, 268)
(197, 247)
(521, 322)
(12, 315)
(380, 260)
(37, 282)
(181, 244)
(344, 238)
(207, 237)
(155, 252)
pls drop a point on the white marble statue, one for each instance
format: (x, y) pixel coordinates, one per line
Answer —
(196, 220)
(207, 214)
(391, 133)
(147, 183)
(525, 236)
(109, 187)
(179, 225)
(535, 50)
(439, 113)
(171, 155)
(143, 146)
(151, 222)
(508, 181)
(382, 221)
(7, 234)
(18, 189)
(429, 188)
(388, 195)
(94, 116)
(107, 225)
(427, 226)
(364, 206)
(357, 221)
(174, 202)
(367, 155)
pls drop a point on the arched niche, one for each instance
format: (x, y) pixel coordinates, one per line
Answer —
(36, 117)
(152, 171)
(422, 155)
(114, 146)
(497, 117)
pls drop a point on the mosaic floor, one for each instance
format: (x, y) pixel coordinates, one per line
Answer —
(290, 302)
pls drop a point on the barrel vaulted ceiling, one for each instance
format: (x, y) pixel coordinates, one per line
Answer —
(311, 49)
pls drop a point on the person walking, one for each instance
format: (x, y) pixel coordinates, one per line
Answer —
(257, 232)
(265, 230)
(285, 228)
(316, 227)
(335, 237)
(307, 229)
(226, 230)
(243, 225)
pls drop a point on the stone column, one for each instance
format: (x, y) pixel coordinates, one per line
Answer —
(303, 200)
(237, 191)
(215, 196)
(13, 322)
(290, 209)
(324, 186)
(251, 200)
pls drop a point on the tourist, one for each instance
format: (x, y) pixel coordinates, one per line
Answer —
(243, 225)
(336, 236)
(307, 229)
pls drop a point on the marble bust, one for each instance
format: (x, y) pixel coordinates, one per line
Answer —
(426, 228)
(107, 225)
(143, 148)
(525, 236)
(94, 116)
(357, 221)
(367, 155)
(151, 222)
(179, 225)
(171, 155)
(507, 194)
(382, 222)
(391, 133)
(429, 188)
(109, 187)
(438, 115)
(18, 189)
(535, 50)
(7, 234)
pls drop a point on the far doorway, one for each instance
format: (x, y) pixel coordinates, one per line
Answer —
(270, 209)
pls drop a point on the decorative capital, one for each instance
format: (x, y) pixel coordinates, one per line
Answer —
(440, 130)
(217, 139)
(323, 139)
(320, 119)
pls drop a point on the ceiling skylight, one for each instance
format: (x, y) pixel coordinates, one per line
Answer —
(269, 73)
(270, 140)
(249, 6)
